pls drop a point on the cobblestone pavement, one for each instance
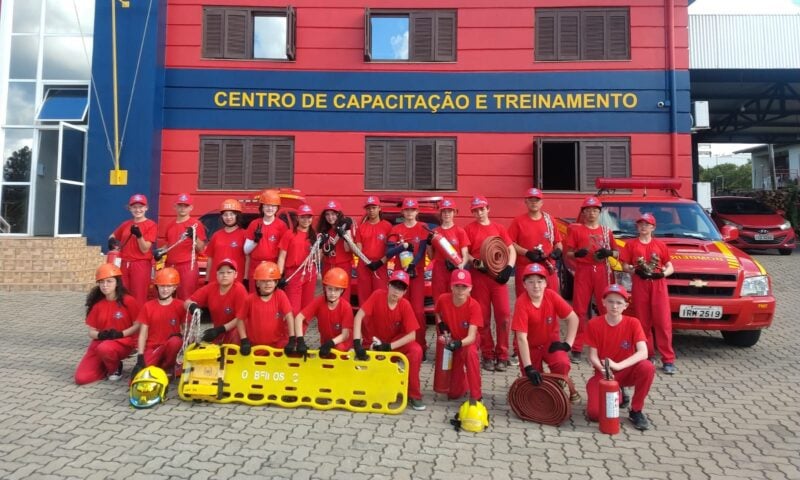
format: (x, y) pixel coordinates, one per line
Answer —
(728, 413)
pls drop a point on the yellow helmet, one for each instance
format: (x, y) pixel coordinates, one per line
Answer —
(149, 388)
(472, 417)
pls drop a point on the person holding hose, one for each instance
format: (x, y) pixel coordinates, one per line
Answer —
(263, 234)
(295, 247)
(371, 238)
(134, 238)
(184, 235)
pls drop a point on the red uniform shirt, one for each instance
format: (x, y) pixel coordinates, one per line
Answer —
(413, 235)
(108, 314)
(267, 248)
(161, 320)
(182, 252)
(222, 307)
(340, 255)
(265, 322)
(580, 236)
(457, 238)
(634, 250)
(130, 246)
(331, 322)
(617, 342)
(458, 319)
(388, 324)
(296, 246)
(226, 245)
(372, 237)
(529, 234)
(477, 233)
(540, 323)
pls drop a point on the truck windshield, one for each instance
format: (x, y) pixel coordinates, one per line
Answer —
(677, 220)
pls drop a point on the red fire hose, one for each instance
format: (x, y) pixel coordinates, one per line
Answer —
(548, 403)
(494, 256)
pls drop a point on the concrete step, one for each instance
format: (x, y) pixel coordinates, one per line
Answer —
(41, 264)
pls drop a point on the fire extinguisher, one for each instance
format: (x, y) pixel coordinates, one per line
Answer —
(609, 402)
(444, 365)
(443, 246)
(113, 256)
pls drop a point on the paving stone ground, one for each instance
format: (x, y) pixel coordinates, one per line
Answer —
(728, 413)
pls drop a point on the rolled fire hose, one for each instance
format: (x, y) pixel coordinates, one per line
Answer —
(548, 403)
(494, 256)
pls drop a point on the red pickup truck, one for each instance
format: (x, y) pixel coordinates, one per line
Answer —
(715, 286)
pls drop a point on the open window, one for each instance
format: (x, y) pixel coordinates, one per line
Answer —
(249, 33)
(410, 35)
(64, 104)
(573, 164)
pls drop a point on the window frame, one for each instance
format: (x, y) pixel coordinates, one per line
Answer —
(228, 48)
(437, 16)
(409, 157)
(247, 145)
(583, 182)
(551, 46)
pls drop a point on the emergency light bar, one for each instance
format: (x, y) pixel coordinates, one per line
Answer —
(670, 184)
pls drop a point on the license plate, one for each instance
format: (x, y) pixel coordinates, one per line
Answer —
(697, 311)
(764, 236)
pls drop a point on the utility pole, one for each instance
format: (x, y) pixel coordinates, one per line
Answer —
(772, 176)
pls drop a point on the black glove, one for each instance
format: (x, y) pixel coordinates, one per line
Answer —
(412, 270)
(341, 229)
(135, 231)
(323, 238)
(109, 334)
(138, 366)
(443, 328)
(346, 222)
(325, 348)
(189, 232)
(282, 283)
(644, 275)
(361, 353)
(375, 265)
(113, 243)
(383, 347)
(453, 346)
(302, 348)
(450, 266)
(159, 254)
(581, 252)
(556, 346)
(429, 238)
(291, 347)
(504, 275)
(257, 234)
(534, 256)
(657, 275)
(410, 247)
(603, 253)
(212, 333)
(534, 376)
(244, 346)
(555, 254)
(193, 307)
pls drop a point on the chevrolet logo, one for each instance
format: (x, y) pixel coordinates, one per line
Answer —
(698, 283)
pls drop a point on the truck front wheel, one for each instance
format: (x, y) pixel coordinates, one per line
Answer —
(741, 338)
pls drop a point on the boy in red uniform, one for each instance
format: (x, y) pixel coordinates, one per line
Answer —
(263, 234)
(489, 291)
(265, 318)
(110, 315)
(590, 244)
(334, 316)
(440, 271)
(184, 235)
(295, 246)
(619, 339)
(536, 325)
(222, 298)
(333, 225)
(648, 259)
(371, 238)
(460, 315)
(227, 242)
(134, 238)
(160, 319)
(387, 322)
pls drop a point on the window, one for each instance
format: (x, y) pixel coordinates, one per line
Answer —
(566, 34)
(410, 164)
(415, 36)
(246, 163)
(244, 33)
(574, 164)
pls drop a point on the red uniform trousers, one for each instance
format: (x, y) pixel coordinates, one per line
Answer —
(589, 280)
(552, 282)
(465, 358)
(490, 294)
(639, 376)
(368, 282)
(190, 277)
(557, 362)
(651, 304)
(416, 296)
(300, 290)
(413, 352)
(136, 278)
(440, 280)
(347, 267)
(163, 356)
(101, 359)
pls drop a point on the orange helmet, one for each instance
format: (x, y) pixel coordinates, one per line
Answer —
(230, 204)
(107, 270)
(270, 197)
(336, 277)
(267, 271)
(167, 277)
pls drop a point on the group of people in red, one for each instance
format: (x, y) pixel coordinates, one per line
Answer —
(281, 269)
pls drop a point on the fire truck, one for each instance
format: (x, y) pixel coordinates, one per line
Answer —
(715, 286)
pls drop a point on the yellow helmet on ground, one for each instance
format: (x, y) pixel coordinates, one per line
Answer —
(149, 388)
(472, 417)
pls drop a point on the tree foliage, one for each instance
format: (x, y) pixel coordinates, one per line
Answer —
(18, 166)
(727, 176)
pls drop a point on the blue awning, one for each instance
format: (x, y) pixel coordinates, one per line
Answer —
(64, 105)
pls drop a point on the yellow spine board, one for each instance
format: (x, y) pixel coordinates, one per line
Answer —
(268, 377)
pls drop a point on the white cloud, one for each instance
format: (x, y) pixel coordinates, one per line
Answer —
(400, 45)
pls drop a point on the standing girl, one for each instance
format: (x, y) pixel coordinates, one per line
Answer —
(134, 238)
(264, 233)
(229, 241)
(440, 279)
(295, 247)
(332, 226)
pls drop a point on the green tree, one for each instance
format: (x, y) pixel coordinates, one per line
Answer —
(727, 176)
(18, 166)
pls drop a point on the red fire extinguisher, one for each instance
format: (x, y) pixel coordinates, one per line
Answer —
(444, 365)
(609, 402)
(113, 256)
(444, 247)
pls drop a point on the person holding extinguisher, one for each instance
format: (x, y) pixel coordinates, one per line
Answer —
(333, 225)
(460, 316)
(264, 234)
(184, 235)
(133, 238)
(334, 317)
(295, 247)
(648, 259)
(620, 339)
(227, 242)
(442, 266)
(371, 237)
(221, 298)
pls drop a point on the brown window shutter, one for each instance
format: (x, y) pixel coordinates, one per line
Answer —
(421, 36)
(213, 32)
(233, 156)
(376, 163)
(284, 164)
(367, 38)
(237, 26)
(446, 36)
(593, 31)
(210, 164)
(445, 165)
(422, 164)
(291, 33)
(568, 35)
(260, 165)
(592, 163)
(398, 165)
(618, 160)
(618, 28)
(545, 47)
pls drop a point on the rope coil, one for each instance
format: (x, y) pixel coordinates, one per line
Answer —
(548, 403)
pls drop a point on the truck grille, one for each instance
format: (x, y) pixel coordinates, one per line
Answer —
(689, 291)
(715, 285)
(706, 277)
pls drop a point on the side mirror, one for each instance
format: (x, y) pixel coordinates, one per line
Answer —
(729, 233)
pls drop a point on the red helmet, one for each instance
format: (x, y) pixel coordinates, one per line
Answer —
(270, 197)
(336, 277)
(267, 271)
(478, 201)
(534, 269)
(461, 277)
(167, 276)
(332, 205)
(399, 276)
(229, 204)
(618, 289)
(107, 270)
(137, 198)
(592, 202)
